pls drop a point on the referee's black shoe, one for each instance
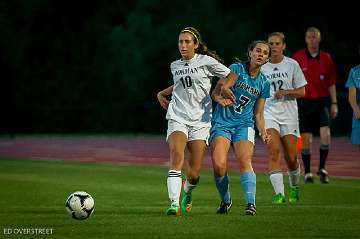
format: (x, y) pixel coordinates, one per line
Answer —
(323, 175)
(308, 178)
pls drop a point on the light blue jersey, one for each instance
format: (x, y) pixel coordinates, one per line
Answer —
(246, 91)
(354, 81)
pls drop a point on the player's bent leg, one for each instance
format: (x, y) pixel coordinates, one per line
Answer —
(243, 152)
(219, 152)
(177, 142)
(174, 183)
(186, 202)
(274, 162)
(196, 155)
(289, 142)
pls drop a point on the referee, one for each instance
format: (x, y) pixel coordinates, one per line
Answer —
(314, 114)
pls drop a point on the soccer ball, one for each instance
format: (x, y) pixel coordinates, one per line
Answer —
(80, 205)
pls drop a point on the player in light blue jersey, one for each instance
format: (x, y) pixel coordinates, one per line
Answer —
(353, 83)
(240, 105)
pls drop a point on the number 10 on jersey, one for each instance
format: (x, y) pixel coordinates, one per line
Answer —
(186, 81)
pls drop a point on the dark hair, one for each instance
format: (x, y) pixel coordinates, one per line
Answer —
(253, 44)
(250, 48)
(202, 49)
(278, 34)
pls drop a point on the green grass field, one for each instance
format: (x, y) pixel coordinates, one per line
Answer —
(130, 202)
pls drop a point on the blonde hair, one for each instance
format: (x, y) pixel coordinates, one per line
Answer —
(278, 34)
(315, 30)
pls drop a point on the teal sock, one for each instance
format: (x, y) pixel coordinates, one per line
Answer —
(248, 182)
(222, 185)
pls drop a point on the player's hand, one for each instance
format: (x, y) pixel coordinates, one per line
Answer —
(266, 138)
(280, 94)
(357, 114)
(333, 111)
(163, 101)
(225, 102)
(226, 93)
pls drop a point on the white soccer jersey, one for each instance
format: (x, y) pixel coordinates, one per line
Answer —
(191, 102)
(285, 75)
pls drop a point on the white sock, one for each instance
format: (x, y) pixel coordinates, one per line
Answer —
(174, 182)
(277, 182)
(294, 177)
(188, 187)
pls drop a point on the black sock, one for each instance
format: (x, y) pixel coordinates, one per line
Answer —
(306, 156)
(324, 150)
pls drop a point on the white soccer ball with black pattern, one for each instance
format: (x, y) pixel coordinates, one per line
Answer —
(80, 205)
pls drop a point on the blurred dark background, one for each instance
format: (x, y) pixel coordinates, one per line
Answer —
(96, 66)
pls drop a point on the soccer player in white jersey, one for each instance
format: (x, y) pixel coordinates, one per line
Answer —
(189, 113)
(287, 82)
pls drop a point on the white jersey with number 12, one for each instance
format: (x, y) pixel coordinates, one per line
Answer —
(285, 75)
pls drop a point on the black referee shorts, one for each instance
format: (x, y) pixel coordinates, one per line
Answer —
(313, 114)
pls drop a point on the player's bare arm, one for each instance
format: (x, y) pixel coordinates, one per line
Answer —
(161, 96)
(352, 101)
(334, 107)
(216, 96)
(260, 121)
(225, 91)
(294, 93)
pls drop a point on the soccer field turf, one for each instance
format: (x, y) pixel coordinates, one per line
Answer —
(130, 202)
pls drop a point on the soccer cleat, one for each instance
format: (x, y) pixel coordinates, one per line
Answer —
(308, 178)
(224, 207)
(186, 202)
(250, 209)
(173, 210)
(278, 199)
(324, 175)
(294, 194)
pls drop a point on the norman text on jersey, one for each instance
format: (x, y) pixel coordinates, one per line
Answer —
(249, 89)
(186, 71)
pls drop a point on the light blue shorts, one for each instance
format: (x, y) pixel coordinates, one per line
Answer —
(233, 134)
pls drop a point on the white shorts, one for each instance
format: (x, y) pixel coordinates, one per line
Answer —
(283, 129)
(191, 132)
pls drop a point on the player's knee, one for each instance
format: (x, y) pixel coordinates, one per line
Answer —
(194, 179)
(245, 165)
(176, 160)
(219, 169)
(292, 163)
(274, 156)
(176, 155)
